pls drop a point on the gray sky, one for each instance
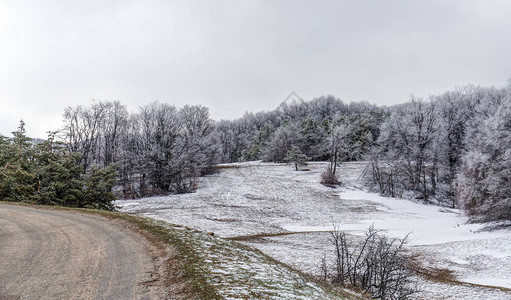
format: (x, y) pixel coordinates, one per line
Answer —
(234, 56)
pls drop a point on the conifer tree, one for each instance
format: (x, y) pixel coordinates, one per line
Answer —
(296, 156)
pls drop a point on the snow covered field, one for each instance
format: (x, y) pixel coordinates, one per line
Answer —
(238, 272)
(287, 215)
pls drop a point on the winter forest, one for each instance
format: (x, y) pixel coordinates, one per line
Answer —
(452, 149)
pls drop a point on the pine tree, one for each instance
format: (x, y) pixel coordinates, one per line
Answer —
(98, 184)
(59, 176)
(296, 156)
(17, 179)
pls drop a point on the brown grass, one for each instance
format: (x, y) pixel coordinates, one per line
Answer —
(265, 235)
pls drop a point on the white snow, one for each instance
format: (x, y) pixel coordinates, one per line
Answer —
(427, 225)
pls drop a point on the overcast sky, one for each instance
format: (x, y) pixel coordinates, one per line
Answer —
(234, 56)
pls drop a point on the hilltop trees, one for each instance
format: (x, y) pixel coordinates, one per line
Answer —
(162, 149)
(449, 150)
(269, 135)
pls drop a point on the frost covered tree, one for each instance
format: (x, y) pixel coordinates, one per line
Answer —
(338, 143)
(228, 138)
(421, 145)
(454, 113)
(159, 149)
(325, 107)
(235, 138)
(456, 110)
(281, 142)
(408, 147)
(363, 134)
(484, 183)
(337, 150)
(313, 138)
(157, 143)
(199, 148)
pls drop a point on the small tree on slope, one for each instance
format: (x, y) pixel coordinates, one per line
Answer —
(295, 156)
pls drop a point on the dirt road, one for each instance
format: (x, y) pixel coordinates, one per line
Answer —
(52, 254)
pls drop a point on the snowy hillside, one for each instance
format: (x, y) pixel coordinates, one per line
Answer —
(287, 215)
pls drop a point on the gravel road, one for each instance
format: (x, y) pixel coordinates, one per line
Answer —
(52, 254)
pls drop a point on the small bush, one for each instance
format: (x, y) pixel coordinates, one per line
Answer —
(330, 179)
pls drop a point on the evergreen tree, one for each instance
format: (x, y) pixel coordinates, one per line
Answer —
(97, 190)
(296, 156)
(47, 173)
(17, 179)
(255, 151)
(58, 174)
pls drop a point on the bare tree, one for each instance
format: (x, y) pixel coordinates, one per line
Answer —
(115, 124)
(82, 130)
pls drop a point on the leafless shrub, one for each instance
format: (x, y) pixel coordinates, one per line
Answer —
(376, 265)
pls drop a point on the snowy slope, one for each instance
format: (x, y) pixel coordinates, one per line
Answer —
(287, 214)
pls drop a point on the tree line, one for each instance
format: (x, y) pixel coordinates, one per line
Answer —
(161, 149)
(451, 149)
